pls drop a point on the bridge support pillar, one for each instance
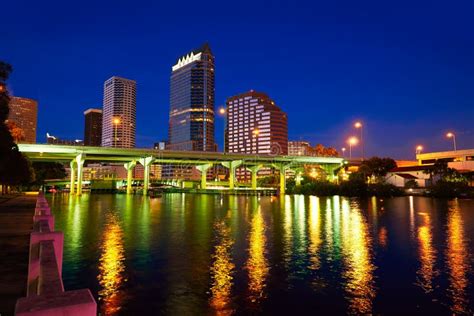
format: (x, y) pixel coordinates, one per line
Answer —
(203, 169)
(73, 166)
(80, 164)
(254, 170)
(232, 165)
(329, 169)
(146, 162)
(129, 166)
(281, 167)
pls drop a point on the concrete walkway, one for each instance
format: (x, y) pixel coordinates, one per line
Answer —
(16, 224)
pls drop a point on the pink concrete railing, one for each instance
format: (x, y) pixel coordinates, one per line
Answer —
(45, 291)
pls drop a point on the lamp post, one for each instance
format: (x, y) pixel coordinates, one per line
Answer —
(223, 112)
(352, 141)
(343, 149)
(359, 125)
(419, 149)
(116, 122)
(451, 135)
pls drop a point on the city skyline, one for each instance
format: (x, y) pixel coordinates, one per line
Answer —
(377, 73)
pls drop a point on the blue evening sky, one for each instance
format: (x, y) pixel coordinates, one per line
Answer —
(405, 68)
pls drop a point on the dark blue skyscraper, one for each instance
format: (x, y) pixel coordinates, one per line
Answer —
(191, 123)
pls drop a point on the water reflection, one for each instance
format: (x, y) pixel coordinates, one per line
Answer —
(111, 266)
(457, 258)
(222, 269)
(257, 263)
(427, 253)
(314, 233)
(192, 254)
(358, 260)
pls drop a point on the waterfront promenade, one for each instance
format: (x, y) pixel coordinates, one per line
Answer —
(16, 223)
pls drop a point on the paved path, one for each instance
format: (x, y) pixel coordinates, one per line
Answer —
(16, 223)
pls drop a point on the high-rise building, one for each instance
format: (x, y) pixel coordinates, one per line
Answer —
(191, 122)
(93, 127)
(299, 148)
(119, 113)
(24, 113)
(256, 125)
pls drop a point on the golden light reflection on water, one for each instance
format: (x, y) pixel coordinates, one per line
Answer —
(111, 267)
(314, 232)
(257, 264)
(427, 254)
(328, 229)
(358, 261)
(457, 260)
(222, 270)
(287, 231)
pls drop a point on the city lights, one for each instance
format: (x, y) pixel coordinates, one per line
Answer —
(116, 122)
(359, 126)
(352, 141)
(453, 136)
(419, 149)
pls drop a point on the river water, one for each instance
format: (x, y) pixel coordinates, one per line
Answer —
(198, 254)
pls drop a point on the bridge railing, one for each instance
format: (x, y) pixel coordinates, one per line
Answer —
(45, 289)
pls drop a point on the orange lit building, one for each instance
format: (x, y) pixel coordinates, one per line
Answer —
(24, 113)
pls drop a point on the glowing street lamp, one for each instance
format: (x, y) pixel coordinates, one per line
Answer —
(255, 134)
(223, 112)
(451, 135)
(116, 122)
(359, 125)
(419, 148)
(352, 141)
(343, 149)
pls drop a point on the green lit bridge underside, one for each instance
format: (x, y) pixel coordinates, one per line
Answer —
(76, 155)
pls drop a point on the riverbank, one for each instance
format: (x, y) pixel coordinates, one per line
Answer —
(16, 224)
(356, 188)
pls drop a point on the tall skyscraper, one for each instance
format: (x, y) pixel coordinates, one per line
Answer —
(119, 113)
(191, 122)
(93, 127)
(256, 125)
(24, 113)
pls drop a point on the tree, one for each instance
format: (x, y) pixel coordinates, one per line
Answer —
(377, 167)
(322, 151)
(48, 170)
(14, 167)
(441, 171)
(16, 131)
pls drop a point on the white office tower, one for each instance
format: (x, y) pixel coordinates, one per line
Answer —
(119, 113)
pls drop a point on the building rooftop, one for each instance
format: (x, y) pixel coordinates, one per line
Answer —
(407, 176)
(92, 110)
(205, 48)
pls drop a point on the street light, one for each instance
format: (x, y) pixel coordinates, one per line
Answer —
(419, 148)
(223, 112)
(451, 135)
(255, 134)
(343, 151)
(352, 141)
(116, 122)
(359, 125)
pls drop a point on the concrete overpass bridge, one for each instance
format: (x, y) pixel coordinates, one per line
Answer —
(77, 155)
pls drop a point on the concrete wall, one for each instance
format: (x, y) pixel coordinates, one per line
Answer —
(45, 290)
